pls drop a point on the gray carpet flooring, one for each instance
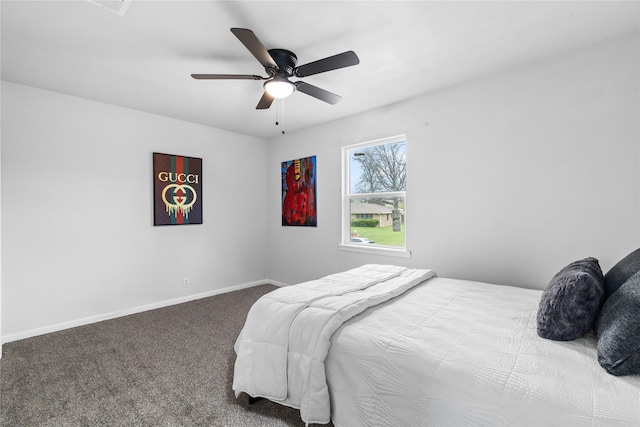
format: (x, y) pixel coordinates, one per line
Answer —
(167, 367)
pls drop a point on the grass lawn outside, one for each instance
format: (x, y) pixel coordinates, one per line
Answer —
(381, 235)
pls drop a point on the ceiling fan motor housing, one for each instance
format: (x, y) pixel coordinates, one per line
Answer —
(286, 61)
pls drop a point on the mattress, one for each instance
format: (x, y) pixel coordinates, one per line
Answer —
(460, 353)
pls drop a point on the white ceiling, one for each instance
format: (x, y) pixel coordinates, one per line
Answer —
(143, 60)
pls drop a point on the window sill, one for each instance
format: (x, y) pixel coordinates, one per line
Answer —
(375, 250)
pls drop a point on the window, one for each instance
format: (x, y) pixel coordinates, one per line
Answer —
(364, 216)
(374, 196)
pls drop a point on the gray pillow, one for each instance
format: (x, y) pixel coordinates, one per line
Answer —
(621, 272)
(618, 329)
(570, 305)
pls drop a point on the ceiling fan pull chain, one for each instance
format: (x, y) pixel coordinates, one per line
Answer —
(282, 104)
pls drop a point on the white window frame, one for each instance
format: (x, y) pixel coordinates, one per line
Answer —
(346, 244)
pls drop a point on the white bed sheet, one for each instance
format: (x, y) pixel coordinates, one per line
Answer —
(460, 353)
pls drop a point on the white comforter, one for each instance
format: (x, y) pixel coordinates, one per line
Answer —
(283, 345)
(460, 353)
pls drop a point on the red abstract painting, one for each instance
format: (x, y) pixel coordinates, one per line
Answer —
(299, 192)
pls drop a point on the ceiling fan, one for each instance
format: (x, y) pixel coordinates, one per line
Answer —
(280, 65)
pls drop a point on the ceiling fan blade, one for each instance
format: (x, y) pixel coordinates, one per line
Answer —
(251, 42)
(227, 77)
(265, 101)
(316, 92)
(341, 60)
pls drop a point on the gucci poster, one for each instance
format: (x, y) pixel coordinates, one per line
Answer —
(177, 189)
(299, 192)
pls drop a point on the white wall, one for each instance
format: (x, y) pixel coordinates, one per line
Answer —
(77, 227)
(510, 177)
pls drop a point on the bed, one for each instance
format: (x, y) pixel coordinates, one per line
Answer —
(391, 346)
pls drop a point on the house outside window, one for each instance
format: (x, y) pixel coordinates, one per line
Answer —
(374, 196)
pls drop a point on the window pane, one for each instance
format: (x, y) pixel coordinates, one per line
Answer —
(376, 221)
(378, 168)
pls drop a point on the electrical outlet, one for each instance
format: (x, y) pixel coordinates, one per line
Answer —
(185, 282)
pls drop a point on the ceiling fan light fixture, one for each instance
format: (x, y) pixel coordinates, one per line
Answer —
(279, 87)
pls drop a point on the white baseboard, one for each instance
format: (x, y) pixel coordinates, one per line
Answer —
(128, 311)
(276, 283)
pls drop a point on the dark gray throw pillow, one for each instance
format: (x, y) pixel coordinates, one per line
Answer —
(570, 305)
(621, 272)
(618, 329)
